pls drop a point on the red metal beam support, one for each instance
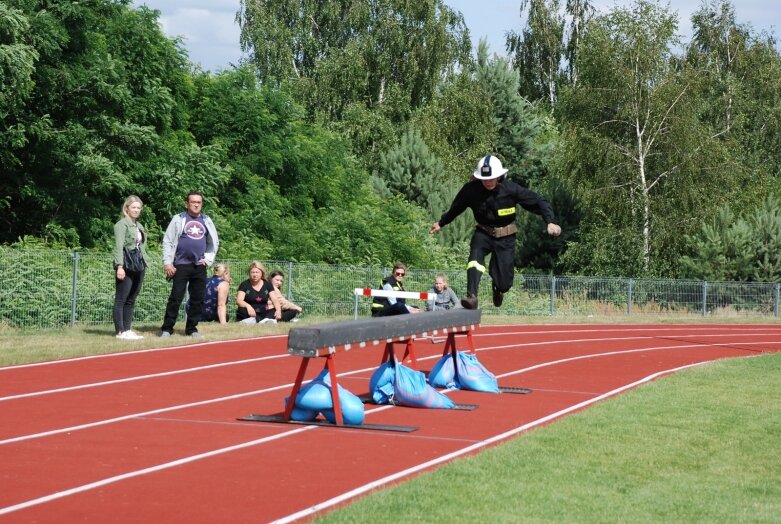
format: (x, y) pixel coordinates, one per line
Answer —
(409, 351)
(330, 363)
(291, 402)
(450, 346)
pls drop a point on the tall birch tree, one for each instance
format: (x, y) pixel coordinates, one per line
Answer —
(338, 52)
(538, 49)
(634, 123)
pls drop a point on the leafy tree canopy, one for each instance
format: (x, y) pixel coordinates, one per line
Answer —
(337, 52)
(98, 87)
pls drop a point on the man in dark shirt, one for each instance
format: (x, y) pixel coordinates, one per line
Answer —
(493, 200)
(190, 244)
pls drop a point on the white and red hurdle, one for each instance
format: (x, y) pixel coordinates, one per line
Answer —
(369, 292)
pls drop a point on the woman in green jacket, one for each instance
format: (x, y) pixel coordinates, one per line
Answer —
(128, 233)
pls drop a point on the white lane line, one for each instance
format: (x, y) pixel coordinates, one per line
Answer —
(161, 410)
(634, 327)
(603, 328)
(625, 339)
(137, 352)
(290, 385)
(469, 449)
(612, 353)
(765, 333)
(141, 414)
(141, 377)
(349, 494)
(284, 355)
(146, 471)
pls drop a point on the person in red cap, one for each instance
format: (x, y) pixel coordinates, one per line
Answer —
(493, 200)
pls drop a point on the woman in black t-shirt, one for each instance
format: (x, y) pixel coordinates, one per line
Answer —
(253, 296)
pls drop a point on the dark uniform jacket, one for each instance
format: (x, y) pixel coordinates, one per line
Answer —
(496, 208)
(380, 302)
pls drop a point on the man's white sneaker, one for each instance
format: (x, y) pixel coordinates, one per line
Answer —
(133, 335)
(268, 321)
(129, 335)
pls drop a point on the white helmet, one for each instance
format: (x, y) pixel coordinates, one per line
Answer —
(488, 168)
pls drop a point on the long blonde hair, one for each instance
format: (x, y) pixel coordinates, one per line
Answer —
(132, 199)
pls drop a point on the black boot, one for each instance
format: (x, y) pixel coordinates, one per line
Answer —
(470, 302)
(498, 297)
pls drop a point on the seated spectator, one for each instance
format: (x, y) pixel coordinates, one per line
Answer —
(215, 299)
(287, 310)
(441, 297)
(387, 306)
(253, 296)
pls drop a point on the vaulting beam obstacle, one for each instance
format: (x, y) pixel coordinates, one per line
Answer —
(328, 340)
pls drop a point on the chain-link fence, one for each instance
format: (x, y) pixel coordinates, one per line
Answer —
(45, 288)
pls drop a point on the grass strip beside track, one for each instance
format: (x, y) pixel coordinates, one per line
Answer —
(700, 446)
(27, 346)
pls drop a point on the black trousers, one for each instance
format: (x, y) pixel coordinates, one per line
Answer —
(190, 278)
(391, 309)
(125, 299)
(287, 314)
(502, 265)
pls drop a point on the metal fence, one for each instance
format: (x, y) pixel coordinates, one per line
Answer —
(45, 288)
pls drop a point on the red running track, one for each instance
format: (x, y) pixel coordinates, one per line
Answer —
(153, 435)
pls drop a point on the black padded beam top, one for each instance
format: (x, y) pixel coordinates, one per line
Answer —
(310, 341)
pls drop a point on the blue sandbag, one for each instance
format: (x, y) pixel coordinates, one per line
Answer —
(352, 409)
(443, 374)
(301, 415)
(316, 396)
(412, 390)
(381, 384)
(474, 376)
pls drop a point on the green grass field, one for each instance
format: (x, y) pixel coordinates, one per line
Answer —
(703, 445)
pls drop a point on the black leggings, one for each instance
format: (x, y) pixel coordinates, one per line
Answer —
(125, 299)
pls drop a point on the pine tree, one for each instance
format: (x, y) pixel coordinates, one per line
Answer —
(744, 249)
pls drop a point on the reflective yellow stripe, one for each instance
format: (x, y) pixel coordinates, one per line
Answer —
(506, 211)
(476, 265)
